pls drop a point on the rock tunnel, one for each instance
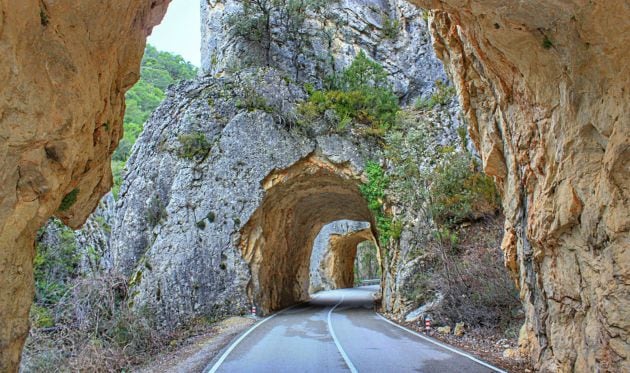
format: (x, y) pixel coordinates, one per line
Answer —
(332, 265)
(277, 240)
(540, 82)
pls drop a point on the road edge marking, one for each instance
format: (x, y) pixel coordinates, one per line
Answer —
(351, 366)
(442, 345)
(227, 352)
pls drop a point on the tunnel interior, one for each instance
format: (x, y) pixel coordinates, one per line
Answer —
(334, 255)
(278, 239)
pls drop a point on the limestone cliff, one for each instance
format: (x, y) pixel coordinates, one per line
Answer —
(65, 67)
(197, 222)
(392, 32)
(545, 89)
(544, 85)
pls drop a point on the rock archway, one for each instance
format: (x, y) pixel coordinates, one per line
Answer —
(334, 254)
(278, 239)
(545, 88)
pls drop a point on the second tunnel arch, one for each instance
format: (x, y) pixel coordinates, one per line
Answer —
(277, 240)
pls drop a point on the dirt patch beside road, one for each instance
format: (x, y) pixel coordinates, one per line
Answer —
(197, 352)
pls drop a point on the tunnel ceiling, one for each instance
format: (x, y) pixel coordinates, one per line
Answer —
(277, 240)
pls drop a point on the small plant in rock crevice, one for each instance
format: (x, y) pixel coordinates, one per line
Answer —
(391, 28)
(156, 211)
(69, 200)
(193, 145)
(442, 95)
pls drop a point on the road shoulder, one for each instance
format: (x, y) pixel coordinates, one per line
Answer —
(197, 352)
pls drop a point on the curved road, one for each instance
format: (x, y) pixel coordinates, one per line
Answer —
(338, 331)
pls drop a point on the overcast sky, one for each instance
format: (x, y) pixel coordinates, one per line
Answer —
(179, 31)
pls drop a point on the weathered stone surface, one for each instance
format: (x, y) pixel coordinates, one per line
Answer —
(545, 88)
(65, 67)
(459, 329)
(367, 264)
(234, 224)
(392, 32)
(544, 85)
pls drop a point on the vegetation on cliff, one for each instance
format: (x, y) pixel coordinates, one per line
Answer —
(267, 24)
(360, 96)
(158, 70)
(458, 205)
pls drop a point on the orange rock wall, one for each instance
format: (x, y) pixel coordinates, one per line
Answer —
(545, 89)
(64, 67)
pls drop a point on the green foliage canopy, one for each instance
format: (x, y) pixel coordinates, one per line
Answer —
(360, 93)
(157, 71)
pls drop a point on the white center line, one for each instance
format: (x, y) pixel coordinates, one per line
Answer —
(332, 332)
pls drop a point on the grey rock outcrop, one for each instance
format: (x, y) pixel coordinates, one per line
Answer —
(90, 244)
(179, 214)
(392, 32)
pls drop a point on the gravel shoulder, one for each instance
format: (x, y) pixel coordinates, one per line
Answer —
(487, 345)
(197, 352)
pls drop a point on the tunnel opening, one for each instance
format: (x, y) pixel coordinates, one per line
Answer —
(278, 239)
(334, 255)
(367, 264)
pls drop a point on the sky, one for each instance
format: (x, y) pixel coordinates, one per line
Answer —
(179, 31)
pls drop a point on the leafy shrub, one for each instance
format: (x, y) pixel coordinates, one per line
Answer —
(69, 200)
(41, 317)
(458, 192)
(374, 193)
(441, 96)
(391, 28)
(193, 145)
(360, 93)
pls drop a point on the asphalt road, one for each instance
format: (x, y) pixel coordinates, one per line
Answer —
(338, 331)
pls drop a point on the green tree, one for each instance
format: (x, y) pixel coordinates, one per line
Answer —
(266, 24)
(360, 93)
(157, 71)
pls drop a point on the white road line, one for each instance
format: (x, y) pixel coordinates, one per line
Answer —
(332, 332)
(216, 365)
(443, 345)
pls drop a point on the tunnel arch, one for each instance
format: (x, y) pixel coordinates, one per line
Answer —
(277, 240)
(334, 254)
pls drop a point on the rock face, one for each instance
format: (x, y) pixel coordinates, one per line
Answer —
(405, 267)
(207, 231)
(91, 241)
(258, 193)
(544, 85)
(334, 245)
(392, 32)
(545, 88)
(367, 265)
(64, 71)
